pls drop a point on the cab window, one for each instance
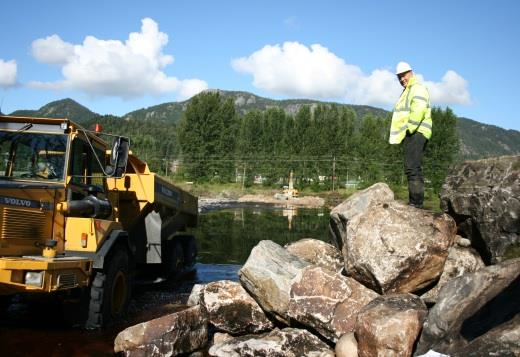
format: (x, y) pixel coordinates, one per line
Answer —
(84, 166)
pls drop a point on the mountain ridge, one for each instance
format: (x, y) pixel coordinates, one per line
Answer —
(478, 140)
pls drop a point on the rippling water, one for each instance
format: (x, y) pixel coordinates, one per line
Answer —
(225, 237)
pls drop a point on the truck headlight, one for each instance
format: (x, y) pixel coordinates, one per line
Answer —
(34, 278)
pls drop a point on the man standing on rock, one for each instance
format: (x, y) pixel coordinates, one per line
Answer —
(412, 125)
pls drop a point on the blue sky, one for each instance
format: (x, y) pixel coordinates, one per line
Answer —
(118, 56)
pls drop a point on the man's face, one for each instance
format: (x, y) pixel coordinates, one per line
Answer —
(404, 78)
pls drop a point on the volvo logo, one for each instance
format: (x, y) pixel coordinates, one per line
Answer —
(20, 202)
(16, 202)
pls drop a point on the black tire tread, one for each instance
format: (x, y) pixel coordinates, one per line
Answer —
(98, 315)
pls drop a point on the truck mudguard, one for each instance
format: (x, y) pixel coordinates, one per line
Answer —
(117, 236)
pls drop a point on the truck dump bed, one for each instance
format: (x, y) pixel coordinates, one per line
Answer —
(142, 188)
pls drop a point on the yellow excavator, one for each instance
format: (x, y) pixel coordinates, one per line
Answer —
(80, 212)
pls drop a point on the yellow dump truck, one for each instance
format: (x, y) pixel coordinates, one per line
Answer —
(80, 212)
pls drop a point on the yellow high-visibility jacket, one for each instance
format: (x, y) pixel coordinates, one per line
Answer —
(412, 112)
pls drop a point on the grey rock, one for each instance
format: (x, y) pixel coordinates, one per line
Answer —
(317, 252)
(268, 275)
(484, 198)
(462, 242)
(327, 302)
(472, 305)
(460, 260)
(289, 342)
(347, 346)
(393, 247)
(389, 325)
(181, 332)
(358, 203)
(220, 337)
(503, 341)
(231, 309)
(194, 298)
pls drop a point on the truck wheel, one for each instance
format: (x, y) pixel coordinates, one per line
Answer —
(110, 292)
(174, 258)
(189, 246)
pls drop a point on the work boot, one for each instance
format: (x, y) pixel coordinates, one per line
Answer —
(416, 193)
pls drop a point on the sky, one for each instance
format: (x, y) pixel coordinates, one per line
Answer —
(118, 56)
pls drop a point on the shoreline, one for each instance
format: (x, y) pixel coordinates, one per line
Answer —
(212, 203)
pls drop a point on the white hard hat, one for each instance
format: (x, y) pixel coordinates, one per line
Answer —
(402, 67)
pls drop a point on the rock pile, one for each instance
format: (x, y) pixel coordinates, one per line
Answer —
(398, 281)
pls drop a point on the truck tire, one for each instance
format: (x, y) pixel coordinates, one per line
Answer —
(189, 247)
(110, 291)
(174, 258)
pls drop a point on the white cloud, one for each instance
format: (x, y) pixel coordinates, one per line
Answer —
(8, 72)
(52, 50)
(113, 68)
(296, 70)
(452, 90)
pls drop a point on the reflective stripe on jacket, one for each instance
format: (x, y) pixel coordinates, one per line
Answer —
(411, 113)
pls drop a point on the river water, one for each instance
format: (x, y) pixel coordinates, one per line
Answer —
(225, 237)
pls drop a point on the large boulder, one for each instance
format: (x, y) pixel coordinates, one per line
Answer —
(289, 342)
(268, 275)
(484, 198)
(392, 247)
(327, 302)
(389, 325)
(358, 203)
(471, 306)
(503, 341)
(461, 260)
(231, 309)
(317, 252)
(169, 335)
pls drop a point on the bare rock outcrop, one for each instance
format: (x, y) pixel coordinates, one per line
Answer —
(471, 306)
(289, 342)
(169, 335)
(317, 252)
(328, 302)
(389, 325)
(393, 247)
(484, 198)
(268, 275)
(231, 309)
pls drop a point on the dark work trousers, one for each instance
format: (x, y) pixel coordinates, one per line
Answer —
(413, 150)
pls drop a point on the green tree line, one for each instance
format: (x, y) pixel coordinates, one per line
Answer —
(324, 145)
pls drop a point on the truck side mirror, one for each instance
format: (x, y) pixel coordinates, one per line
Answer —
(118, 157)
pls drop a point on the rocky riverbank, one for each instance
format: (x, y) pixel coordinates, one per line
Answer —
(213, 203)
(397, 281)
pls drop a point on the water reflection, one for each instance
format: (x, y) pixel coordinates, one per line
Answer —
(227, 236)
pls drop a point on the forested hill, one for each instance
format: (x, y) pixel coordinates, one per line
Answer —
(65, 108)
(477, 140)
(244, 102)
